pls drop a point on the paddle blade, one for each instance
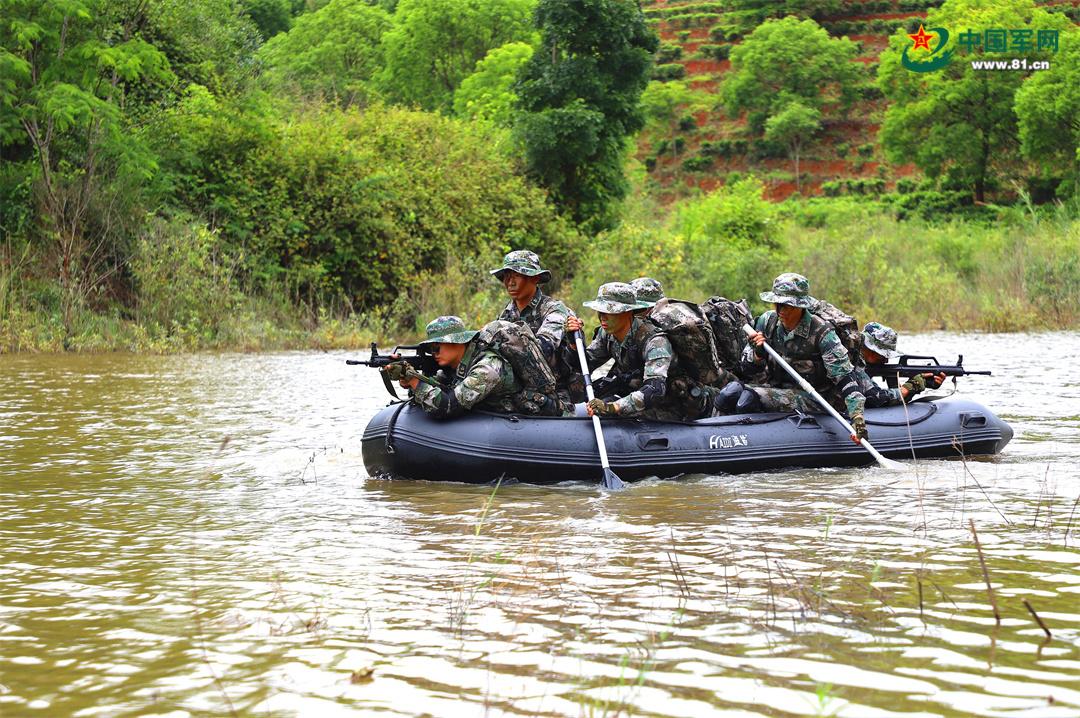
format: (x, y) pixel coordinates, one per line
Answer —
(892, 465)
(611, 481)
(882, 461)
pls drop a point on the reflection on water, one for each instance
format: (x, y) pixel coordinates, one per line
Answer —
(149, 569)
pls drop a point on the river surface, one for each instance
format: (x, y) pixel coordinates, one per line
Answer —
(196, 535)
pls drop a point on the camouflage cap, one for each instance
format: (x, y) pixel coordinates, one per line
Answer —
(879, 338)
(524, 262)
(447, 330)
(790, 288)
(616, 298)
(648, 290)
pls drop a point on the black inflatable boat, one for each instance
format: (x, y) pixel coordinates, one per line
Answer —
(402, 441)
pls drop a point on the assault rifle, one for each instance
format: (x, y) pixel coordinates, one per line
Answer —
(420, 360)
(909, 365)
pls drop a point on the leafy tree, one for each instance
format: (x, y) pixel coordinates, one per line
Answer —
(269, 16)
(794, 126)
(957, 122)
(1047, 107)
(580, 95)
(333, 51)
(68, 66)
(787, 60)
(208, 42)
(435, 44)
(488, 93)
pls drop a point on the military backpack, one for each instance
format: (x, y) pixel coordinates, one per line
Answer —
(727, 319)
(847, 328)
(691, 337)
(518, 346)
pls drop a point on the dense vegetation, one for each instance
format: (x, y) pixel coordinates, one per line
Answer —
(258, 173)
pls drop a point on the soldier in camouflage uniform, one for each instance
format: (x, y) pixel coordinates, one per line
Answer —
(481, 378)
(647, 291)
(639, 349)
(810, 346)
(521, 274)
(879, 345)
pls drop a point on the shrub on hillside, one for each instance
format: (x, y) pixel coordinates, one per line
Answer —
(351, 204)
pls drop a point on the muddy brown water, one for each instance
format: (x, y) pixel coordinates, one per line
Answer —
(148, 570)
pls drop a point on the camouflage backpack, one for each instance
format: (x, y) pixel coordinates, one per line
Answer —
(691, 338)
(516, 343)
(727, 319)
(847, 328)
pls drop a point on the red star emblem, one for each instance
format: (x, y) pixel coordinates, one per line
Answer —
(921, 39)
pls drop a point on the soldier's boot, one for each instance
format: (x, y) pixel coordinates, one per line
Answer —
(728, 397)
(749, 402)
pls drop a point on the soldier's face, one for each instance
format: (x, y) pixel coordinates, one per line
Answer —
(616, 324)
(448, 355)
(789, 316)
(518, 286)
(872, 357)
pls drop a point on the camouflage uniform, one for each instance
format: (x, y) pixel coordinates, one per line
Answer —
(546, 316)
(662, 391)
(812, 349)
(698, 348)
(483, 379)
(881, 340)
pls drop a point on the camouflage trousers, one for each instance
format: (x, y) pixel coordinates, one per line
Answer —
(776, 399)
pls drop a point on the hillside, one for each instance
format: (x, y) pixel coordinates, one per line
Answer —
(706, 148)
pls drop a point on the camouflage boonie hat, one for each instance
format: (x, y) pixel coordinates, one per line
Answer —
(616, 298)
(524, 262)
(647, 290)
(448, 330)
(879, 338)
(790, 288)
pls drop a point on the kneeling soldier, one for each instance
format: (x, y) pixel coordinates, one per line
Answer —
(810, 346)
(484, 375)
(879, 344)
(640, 350)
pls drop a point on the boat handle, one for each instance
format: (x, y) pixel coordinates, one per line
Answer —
(652, 442)
(972, 419)
(802, 421)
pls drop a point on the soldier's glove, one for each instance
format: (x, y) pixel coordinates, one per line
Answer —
(400, 370)
(915, 385)
(858, 423)
(602, 408)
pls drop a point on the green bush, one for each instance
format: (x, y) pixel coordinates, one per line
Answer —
(350, 205)
(185, 282)
(697, 164)
(668, 52)
(668, 71)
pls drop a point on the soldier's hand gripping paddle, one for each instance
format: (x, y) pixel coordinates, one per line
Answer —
(882, 461)
(611, 480)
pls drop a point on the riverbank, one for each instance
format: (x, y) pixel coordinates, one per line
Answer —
(998, 269)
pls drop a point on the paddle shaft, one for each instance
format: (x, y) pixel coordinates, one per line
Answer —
(889, 463)
(589, 394)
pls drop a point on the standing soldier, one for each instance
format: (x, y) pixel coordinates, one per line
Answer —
(521, 274)
(879, 345)
(810, 346)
